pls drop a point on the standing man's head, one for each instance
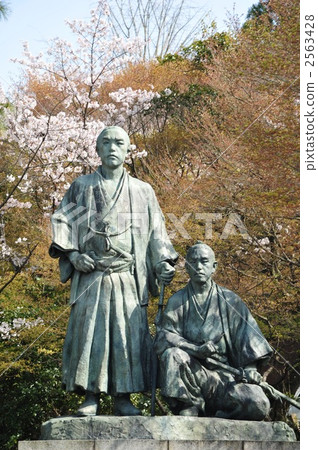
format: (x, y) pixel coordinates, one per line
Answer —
(112, 146)
(200, 262)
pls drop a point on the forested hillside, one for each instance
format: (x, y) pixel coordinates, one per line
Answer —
(215, 130)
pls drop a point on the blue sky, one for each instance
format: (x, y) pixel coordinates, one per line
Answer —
(37, 21)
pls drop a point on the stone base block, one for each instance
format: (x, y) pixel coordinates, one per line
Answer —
(164, 428)
(146, 444)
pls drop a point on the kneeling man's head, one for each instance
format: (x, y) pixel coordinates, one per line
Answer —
(200, 262)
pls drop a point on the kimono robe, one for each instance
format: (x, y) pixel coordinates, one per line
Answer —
(226, 321)
(108, 346)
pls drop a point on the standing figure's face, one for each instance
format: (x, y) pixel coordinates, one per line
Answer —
(200, 264)
(113, 147)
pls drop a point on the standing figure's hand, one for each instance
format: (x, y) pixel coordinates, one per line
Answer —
(81, 262)
(165, 272)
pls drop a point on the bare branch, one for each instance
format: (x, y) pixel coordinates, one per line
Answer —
(19, 269)
(164, 25)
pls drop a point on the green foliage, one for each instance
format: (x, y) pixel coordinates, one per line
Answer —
(4, 10)
(200, 52)
(30, 365)
(174, 104)
(257, 10)
(169, 57)
(29, 399)
(259, 14)
(221, 41)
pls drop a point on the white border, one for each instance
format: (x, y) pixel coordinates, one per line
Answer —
(309, 247)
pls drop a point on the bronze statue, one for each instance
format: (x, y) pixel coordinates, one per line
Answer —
(110, 238)
(208, 343)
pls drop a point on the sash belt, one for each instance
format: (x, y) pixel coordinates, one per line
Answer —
(114, 265)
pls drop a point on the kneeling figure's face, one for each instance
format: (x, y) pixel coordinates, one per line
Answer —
(200, 264)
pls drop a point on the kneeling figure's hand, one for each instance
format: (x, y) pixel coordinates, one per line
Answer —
(252, 376)
(206, 350)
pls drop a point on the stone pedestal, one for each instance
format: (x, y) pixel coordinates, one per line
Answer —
(146, 444)
(161, 433)
(168, 428)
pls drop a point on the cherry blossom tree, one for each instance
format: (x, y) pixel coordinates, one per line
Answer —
(58, 110)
